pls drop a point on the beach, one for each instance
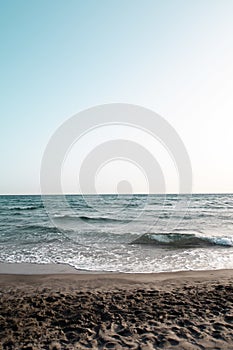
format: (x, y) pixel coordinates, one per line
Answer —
(116, 191)
(58, 309)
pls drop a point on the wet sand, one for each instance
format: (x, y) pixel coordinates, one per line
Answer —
(182, 310)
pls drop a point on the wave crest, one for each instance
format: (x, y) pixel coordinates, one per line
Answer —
(182, 240)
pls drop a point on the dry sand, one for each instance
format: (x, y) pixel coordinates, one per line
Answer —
(183, 310)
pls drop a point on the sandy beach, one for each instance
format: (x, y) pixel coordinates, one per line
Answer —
(181, 310)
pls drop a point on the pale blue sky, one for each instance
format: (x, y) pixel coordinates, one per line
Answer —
(60, 57)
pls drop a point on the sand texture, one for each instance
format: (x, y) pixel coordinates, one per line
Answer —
(192, 310)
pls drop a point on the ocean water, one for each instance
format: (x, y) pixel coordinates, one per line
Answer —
(137, 233)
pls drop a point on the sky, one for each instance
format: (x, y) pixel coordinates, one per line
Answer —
(58, 58)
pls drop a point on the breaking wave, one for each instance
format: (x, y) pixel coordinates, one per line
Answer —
(179, 240)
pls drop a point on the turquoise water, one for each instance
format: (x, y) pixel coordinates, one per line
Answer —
(124, 233)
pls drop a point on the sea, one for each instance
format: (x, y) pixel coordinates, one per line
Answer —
(119, 233)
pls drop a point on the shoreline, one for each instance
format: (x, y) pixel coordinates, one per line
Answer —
(37, 269)
(65, 269)
(61, 277)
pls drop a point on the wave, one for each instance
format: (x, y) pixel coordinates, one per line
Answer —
(179, 240)
(29, 207)
(33, 234)
(86, 218)
(38, 228)
(100, 218)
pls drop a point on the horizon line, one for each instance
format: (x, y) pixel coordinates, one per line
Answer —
(110, 194)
